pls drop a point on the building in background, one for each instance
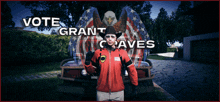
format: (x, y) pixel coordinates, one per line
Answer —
(204, 45)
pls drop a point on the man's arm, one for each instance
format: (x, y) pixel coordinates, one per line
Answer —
(132, 72)
(90, 63)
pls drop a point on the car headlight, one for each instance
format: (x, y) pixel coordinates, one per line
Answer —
(84, 73)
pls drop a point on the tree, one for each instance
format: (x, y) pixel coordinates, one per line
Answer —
(53, 32)
(171, 36)
(69, 12)
(160, 31)
(183, 23)
(6, 17)
(66, 11)
(145, 17)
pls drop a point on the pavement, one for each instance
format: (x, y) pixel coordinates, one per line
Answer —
(178, 79)
(187, 81)
(168, 96)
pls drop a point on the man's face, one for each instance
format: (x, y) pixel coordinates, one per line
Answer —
(110, 39)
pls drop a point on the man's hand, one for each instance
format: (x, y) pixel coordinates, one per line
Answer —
(89, 56)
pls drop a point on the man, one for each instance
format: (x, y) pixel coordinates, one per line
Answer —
(108, 63)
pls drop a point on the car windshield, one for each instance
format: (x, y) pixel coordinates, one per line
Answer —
(73, 63)
(143, 63)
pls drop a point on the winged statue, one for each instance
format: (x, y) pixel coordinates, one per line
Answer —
(129, 24)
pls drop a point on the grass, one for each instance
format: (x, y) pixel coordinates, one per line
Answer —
(46, 90)
(29, 69)
(34, 90)
(155, 95)
(157, 57)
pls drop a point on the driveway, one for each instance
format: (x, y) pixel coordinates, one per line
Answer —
(187, 81)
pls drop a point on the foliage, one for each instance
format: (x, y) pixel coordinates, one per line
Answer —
(47, 90)
(161, 26)
(53, 32)
(183, 23)
(22, 47)
(6, 17)
(29, 69)
(162, 29)
(156, 57)
(171, 28)
(171, 50)
(38, 90)
(69, 12)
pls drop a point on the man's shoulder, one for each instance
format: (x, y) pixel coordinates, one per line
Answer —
(96, 53)
(99, 50)
(122, 50)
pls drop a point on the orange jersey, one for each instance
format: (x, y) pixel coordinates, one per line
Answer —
(110, 64)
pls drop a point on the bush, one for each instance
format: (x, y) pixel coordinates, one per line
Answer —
(171, 49)
(22, 47)
(159, 48)
(180, 52)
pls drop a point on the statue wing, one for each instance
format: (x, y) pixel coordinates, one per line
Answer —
(132, 28)
(80, 45)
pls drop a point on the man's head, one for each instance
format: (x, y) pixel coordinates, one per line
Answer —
(110, 35)
(110, 39)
